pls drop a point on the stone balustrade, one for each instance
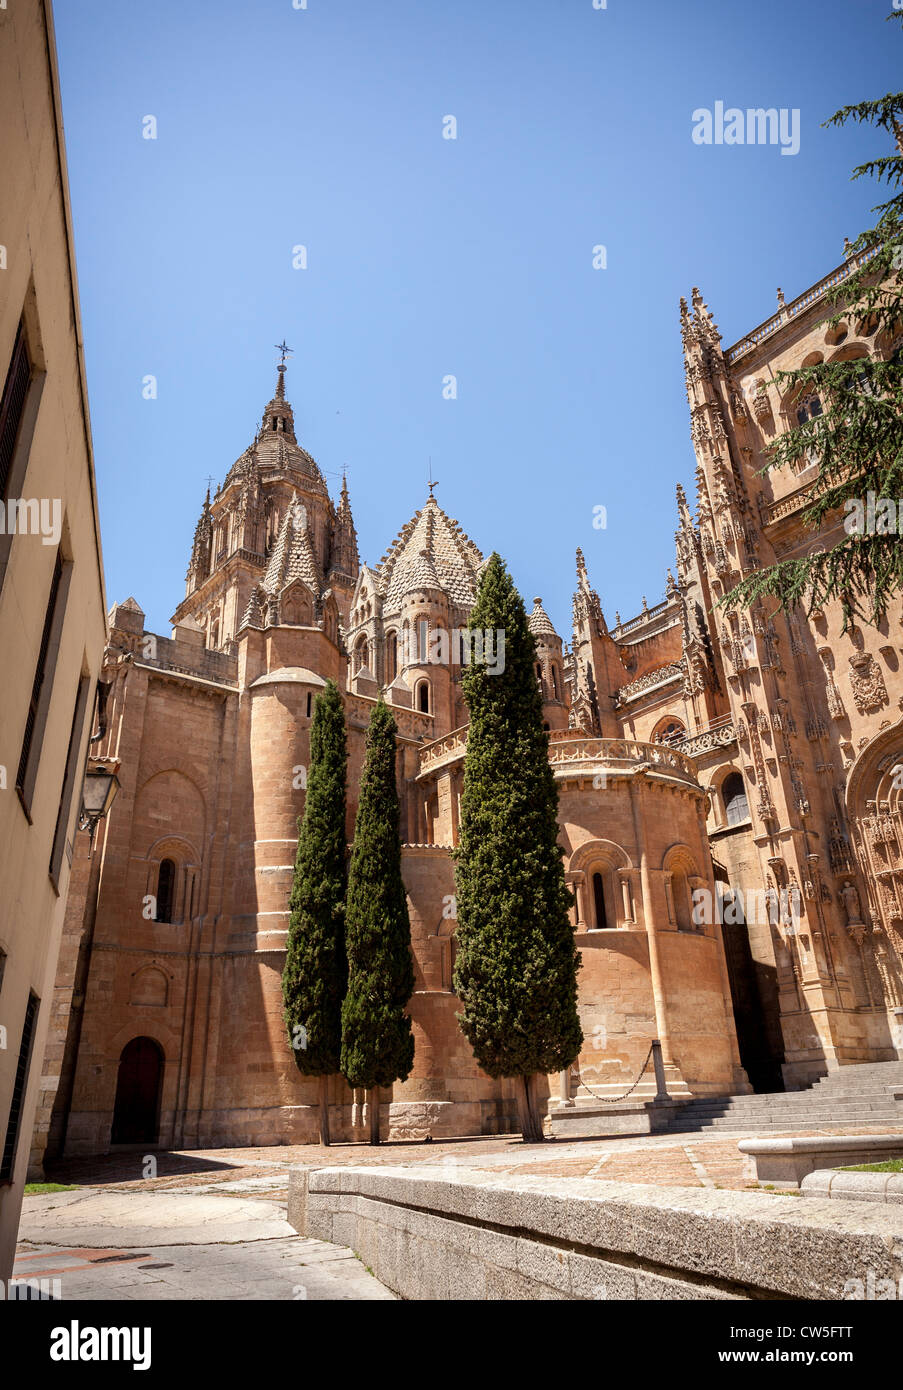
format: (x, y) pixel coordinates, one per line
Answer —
(589, 757)
(716, 736)
(796, 306)
(577, 756)
(443, 751)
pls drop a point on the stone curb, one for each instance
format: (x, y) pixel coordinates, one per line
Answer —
(853, 1187)
(472, 1237)
(789, 1161)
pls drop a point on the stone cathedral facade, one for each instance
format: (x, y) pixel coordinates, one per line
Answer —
(701, 756)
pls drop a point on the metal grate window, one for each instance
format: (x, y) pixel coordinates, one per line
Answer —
(19, 1085)
(15, 390)
(40, 671)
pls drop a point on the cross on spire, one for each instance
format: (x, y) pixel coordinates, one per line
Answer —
(284, 351)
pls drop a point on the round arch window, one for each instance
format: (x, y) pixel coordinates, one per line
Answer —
(733, 793)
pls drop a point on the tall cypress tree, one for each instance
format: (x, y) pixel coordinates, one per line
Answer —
(377, 1043)
(316, 969)
(516, 970)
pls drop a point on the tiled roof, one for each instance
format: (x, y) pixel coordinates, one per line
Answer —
(539, 622)
(431, 551)
(293, 555)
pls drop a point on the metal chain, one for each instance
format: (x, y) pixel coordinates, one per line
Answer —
(609, 1100)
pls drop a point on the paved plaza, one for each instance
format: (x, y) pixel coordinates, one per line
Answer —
(211, 1224)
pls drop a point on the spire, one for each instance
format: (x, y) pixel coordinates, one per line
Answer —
(278, 418)
(586, 605)
(705, 324)
(344, 556)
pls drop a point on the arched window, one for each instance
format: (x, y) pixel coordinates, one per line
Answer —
(555, 694)
(423, 641)
(423, 697)
(166, 882)
(539, 676)
(733, 793)
(361, 654)
(680, 895)
(669, 731)
(214, 635)
(391, 657)
(807, 408)
(601, 918)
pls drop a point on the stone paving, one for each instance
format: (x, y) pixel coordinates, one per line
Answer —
(211, 1223)
(290, 1268)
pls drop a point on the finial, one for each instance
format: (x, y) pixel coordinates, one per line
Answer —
(537, 602)
(432, 482)
(847, 247)
(283, 349)
(780, 298)
(617, 618)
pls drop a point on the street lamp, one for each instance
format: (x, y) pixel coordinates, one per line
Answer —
(98, 794)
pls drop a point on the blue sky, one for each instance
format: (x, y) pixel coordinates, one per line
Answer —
(428, 257)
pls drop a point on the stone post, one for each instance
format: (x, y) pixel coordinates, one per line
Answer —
(661, 1085)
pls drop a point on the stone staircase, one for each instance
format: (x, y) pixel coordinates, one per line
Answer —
(864, 1094)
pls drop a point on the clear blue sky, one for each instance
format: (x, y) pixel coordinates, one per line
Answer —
(427, 257)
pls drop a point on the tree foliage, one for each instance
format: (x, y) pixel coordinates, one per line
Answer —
(516, 969)
(315, 972)
(857, 440)
(377, 1042)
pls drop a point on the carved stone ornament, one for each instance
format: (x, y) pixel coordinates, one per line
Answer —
(867, 683)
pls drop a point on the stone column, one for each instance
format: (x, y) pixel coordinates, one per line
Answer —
(741, 1080)
(578, 883)
(655, 968)
(624, 880)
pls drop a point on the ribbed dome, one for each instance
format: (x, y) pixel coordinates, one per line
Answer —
(539, 622)
(430, 552)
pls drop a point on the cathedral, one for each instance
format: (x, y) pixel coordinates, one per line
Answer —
(730, 804)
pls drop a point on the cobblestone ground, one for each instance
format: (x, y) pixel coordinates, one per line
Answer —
(211, 1224)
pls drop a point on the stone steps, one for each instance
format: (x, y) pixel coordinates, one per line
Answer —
(856, 1095)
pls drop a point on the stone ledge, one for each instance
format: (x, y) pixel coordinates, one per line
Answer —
(430, 1235)
(853, 1187)
(789, 1160)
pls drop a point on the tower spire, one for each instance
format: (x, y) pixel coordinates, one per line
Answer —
(278, 417)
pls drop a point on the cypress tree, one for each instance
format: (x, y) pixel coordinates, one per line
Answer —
(377, 1042)
(316, 970)
(857, 440)
(516, 969)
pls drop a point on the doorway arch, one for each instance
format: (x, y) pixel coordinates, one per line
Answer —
(136, 1109)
